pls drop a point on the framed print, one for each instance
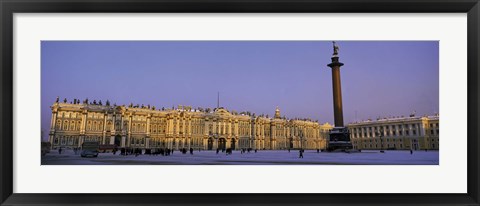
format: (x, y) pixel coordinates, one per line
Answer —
(247, 103)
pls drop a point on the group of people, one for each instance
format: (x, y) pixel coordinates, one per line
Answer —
(184, 151)
(229, 151)
(138, 151)
(155, 152)
(243, 150)
(75, 150)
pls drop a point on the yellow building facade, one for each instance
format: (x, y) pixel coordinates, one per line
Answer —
(182, 127)
(403, 133)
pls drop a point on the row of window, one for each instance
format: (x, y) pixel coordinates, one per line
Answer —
(73, 140)
(400, 146)
(75, 126)
(390, 130)
(197, 129)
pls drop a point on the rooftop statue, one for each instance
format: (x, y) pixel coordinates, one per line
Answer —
(335, 48)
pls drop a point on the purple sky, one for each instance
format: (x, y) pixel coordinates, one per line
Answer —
(379, 78)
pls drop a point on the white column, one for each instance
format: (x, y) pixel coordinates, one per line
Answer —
(114, 121)
(148, 126)
(177, 128)
(129, 131)
(104, 127)
(53, 120)
(422, 129)
(83, 126)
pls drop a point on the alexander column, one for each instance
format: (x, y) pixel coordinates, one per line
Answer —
(339, 136)
(337, 87)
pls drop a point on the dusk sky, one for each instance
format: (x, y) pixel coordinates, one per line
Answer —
(379, 78)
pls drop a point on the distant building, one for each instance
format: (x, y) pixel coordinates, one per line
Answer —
(182, 127)
(402, 133)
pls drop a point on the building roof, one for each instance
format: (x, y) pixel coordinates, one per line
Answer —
(395, 119)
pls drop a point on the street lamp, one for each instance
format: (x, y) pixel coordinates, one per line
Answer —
(380, 135)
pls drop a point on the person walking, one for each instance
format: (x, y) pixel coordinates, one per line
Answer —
(191, 151)
(411, 151)
(301, 153)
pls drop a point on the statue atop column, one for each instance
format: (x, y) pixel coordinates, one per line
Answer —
(335, 48)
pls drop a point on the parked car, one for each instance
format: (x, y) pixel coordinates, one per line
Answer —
(89, 149)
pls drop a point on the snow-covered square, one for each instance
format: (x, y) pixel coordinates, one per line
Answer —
(261, 157)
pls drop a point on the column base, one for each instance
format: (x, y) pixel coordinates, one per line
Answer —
(339, 140)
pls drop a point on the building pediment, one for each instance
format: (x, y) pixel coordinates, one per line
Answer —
(222, 112)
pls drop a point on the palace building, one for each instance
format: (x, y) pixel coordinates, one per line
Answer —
(403, 133)
(183, 127)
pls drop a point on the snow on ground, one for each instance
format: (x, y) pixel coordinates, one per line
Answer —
(262, 157)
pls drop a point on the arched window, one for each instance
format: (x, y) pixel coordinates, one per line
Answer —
(72, 125)
(65, 125)
(59, 123)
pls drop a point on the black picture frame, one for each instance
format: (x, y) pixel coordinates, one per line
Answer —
(10, 7)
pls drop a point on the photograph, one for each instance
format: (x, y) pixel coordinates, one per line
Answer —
(240, 102)
(309, 102)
